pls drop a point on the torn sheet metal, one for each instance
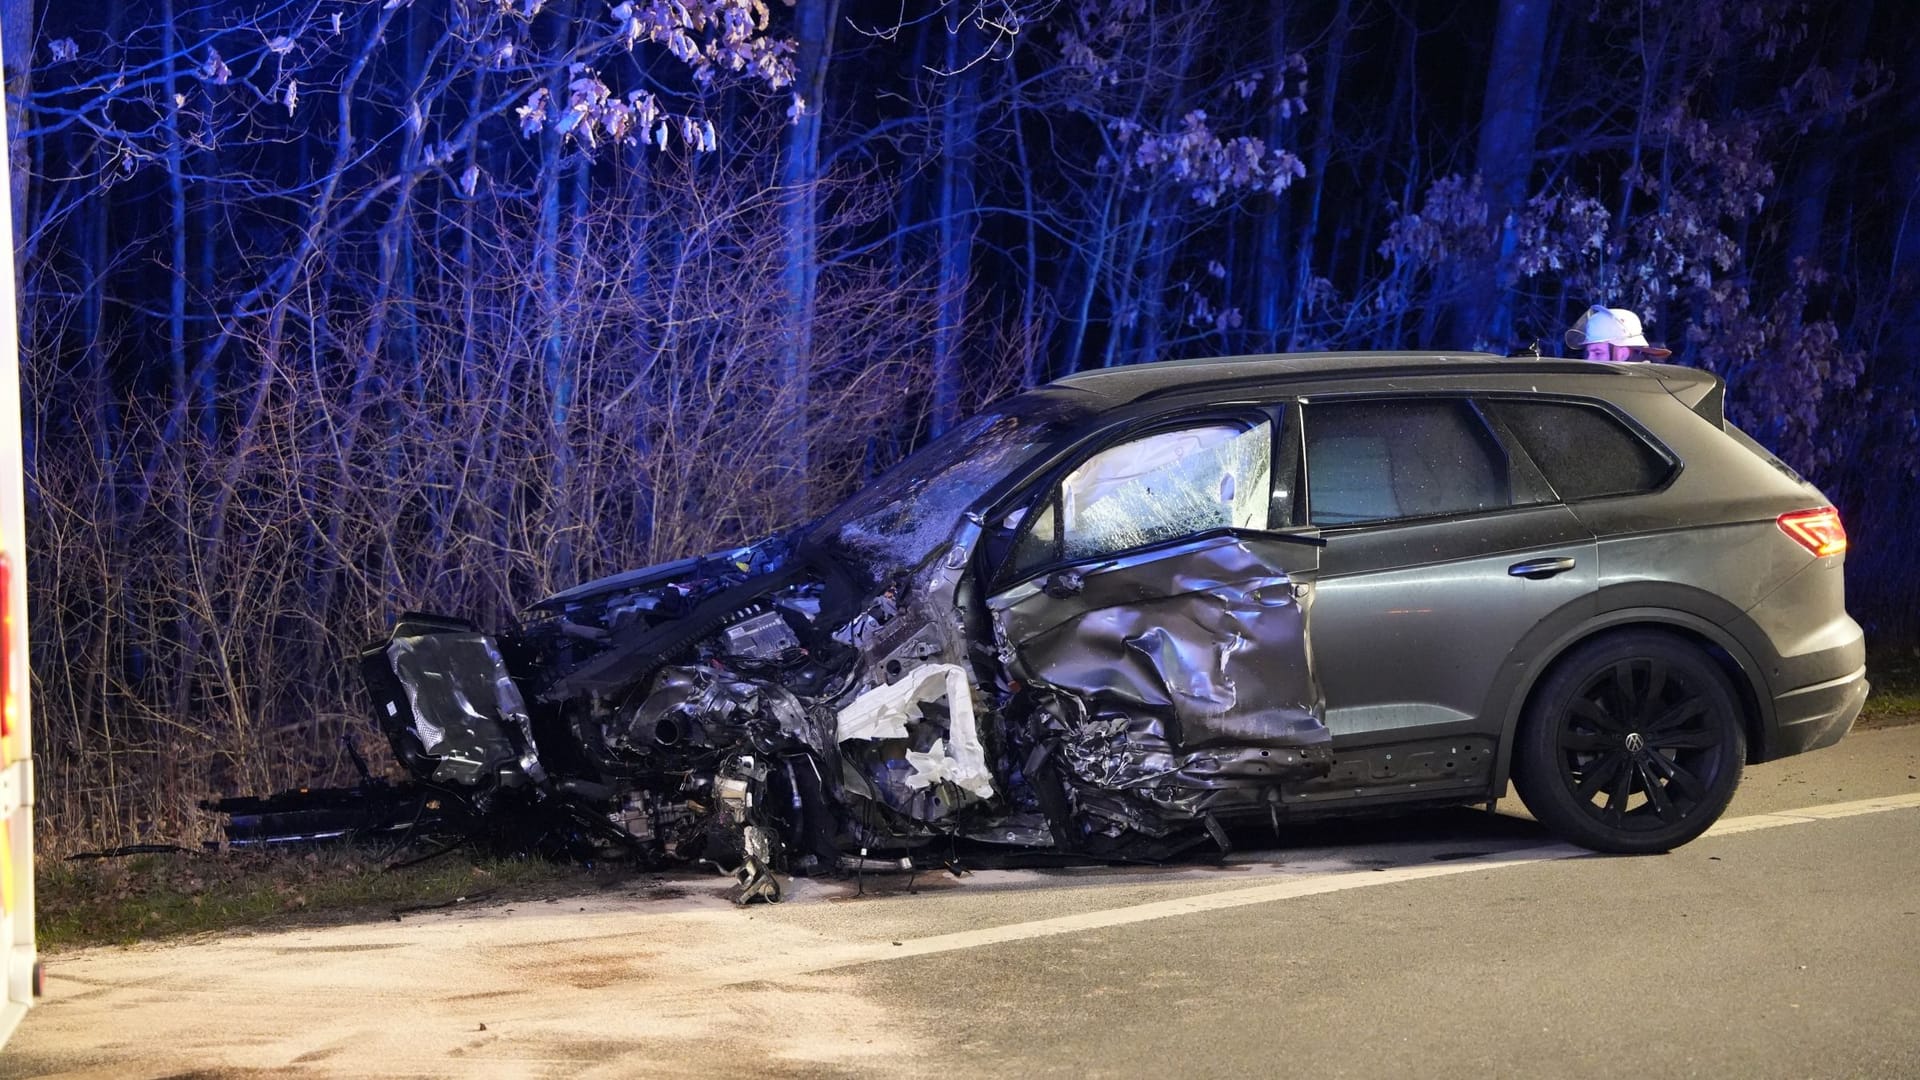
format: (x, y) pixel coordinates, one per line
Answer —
(1191, 666)
(886, 711)
(467, 712)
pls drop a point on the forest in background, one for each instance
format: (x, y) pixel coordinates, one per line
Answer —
(334, 308)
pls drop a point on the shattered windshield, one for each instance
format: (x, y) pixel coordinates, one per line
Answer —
(899, 519)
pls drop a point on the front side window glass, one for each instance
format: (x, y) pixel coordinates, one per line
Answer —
(1165, 486)
(1384, 460)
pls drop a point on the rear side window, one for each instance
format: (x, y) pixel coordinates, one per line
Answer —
(1585, 452)
(1383, 460)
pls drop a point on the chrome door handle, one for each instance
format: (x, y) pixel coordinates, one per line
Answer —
(1540, 569)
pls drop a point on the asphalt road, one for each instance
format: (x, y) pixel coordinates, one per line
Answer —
(1787, 943)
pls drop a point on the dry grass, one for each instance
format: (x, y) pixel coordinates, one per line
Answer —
(1895, 700)
(524, 421)
(120, 901)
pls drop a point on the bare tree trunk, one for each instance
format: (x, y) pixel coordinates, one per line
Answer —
(1813, 183)
(1160, 243)
(1033, 364)
(1128, 302)
(1318, 156)
(1161, 223)
(959, 112)
(1271, 276)
(168, 446)
(555, 379)
(16, 41)
(1508, 119)
(814, 25)
(550, 183)
(103, 416)
(1091, 254)
(177, 226)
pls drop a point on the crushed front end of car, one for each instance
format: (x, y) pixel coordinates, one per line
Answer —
(681, 713)
(843, 697)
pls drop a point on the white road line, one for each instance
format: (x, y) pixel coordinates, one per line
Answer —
(1813, 813)
(827, 957)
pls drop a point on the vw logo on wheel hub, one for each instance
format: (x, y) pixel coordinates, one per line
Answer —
(1635, 743)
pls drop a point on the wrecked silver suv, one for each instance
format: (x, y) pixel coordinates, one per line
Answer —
(1110, 617)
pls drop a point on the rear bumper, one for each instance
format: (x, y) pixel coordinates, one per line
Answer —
(1818, 715)
(1811, 658)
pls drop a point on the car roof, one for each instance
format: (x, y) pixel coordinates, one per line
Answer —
(1134, 382)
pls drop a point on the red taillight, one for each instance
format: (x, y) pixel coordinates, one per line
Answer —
(1819, 531)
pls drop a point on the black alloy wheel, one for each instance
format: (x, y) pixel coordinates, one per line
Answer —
(1632, 744)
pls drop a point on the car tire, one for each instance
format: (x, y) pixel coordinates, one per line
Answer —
(1633, 743)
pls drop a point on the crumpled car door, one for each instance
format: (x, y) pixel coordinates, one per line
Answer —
(1171, 617)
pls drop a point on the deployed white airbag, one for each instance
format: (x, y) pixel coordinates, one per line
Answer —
(883, 713)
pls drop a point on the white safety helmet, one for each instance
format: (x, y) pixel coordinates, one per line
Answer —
(1614, 326)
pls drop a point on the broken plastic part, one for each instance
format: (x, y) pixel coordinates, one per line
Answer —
(859, 632)
(756, 878)
(765, 636)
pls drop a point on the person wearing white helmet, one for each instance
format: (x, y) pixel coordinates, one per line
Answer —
(1605, 333)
